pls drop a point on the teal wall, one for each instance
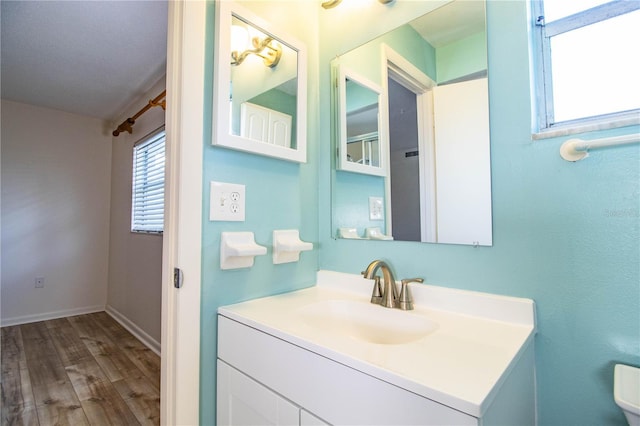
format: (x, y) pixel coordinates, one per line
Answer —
(367, 59)
(565, 234)
(279, 195)
(359, 96)
(461, 58)
(351, 202)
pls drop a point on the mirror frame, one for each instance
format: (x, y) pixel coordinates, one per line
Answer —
(221, 135)
(344, 164)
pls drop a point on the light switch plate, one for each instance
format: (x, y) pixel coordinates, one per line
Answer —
(227, 202)
(376, 211)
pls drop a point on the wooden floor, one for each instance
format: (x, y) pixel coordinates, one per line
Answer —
(81, 370)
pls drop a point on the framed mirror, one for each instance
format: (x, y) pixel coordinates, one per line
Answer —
(434, 124)
(260, 86)
(362, 145)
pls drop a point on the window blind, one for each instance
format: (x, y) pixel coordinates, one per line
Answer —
(147, 207)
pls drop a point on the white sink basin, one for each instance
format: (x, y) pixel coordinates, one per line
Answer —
(367, 322)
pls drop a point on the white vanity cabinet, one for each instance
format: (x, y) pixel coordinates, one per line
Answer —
(325, 355)
(322, 387)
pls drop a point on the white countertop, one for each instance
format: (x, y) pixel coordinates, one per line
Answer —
(461, 364)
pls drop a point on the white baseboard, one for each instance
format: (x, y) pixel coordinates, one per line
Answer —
(145, 338)
(25, 319)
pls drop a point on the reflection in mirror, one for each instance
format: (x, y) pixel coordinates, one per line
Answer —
(436, 185)
(260, 86)
(263, 98)
(362, 125)
(361, 147)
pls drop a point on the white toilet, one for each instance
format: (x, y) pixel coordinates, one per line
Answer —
(626, 392)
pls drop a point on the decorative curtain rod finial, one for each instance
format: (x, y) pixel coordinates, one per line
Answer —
(127, 125)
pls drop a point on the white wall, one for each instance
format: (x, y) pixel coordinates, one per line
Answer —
(56, 171)
(135, 260)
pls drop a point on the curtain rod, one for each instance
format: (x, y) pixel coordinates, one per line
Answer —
(127, 125)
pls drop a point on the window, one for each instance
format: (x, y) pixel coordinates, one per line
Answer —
(588, 61)
(147, 211)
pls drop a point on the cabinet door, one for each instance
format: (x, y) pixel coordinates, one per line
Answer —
(280, 129)
(243, 401)
(254, 122)
(265, 125)
(308, 419)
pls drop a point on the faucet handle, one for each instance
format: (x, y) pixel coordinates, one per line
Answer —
(376, 295)
(405, 301)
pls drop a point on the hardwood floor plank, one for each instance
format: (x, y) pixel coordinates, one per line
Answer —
(60, 393)
(142, 397)
(46, 370)
(16, 416)
(146, 361)
(17, 393)
(58, 404)
(87, 379)
(98, 396)
(62, 415)
(109, 355)
(37, 341)
(111, 327)
(71, 349)
(108, 408)
(57, 322)
(12, 357)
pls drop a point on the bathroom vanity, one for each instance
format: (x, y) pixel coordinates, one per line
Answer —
(325, 355)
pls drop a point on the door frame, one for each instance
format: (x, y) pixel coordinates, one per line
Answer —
(184, 123)
(395, 66)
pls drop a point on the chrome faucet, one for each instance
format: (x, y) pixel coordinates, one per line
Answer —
(387, 296)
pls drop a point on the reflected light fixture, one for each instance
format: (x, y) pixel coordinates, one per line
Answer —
(330, 3)
(267, 48)
(333, 3)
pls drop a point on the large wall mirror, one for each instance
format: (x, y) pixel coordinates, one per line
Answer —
(260, 86)
(427, 176)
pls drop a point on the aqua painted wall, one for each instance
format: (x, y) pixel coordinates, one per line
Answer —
(279, 195)
(461, 58)
(565, 234)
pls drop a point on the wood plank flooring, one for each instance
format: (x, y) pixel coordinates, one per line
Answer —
(81, 370)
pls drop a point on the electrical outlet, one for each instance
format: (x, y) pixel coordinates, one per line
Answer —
(227, 202)
(39, 282)
(376, 210)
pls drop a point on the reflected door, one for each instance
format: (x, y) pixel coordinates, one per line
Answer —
(463, 175)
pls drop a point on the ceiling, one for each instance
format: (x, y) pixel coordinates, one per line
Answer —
(451, 22)
(91, 58)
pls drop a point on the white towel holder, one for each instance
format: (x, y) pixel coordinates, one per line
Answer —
(238, 249)
(287, 246)
(577, 149)
(375, 233)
